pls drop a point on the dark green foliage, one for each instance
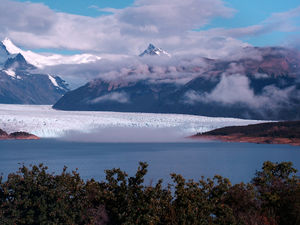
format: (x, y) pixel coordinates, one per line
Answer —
(34, 196)
(37, 197)
(277, 188)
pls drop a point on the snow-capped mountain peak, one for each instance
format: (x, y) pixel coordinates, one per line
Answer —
(151, 47)
(40, 60)
(11, 47)
(152, 50)
(3, 48)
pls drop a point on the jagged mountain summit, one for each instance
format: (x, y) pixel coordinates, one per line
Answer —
(152, 50)
(40, 60)
(18, 62)
(20, 83)
(4, 54)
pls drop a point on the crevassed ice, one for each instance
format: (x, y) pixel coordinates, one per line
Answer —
(44, 121)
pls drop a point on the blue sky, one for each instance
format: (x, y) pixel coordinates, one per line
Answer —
(247, 13)
(83, 7)
(127, 26)
(254, 12)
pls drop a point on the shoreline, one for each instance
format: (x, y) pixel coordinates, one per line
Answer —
(17, 136)
(287, 132)
(245, 139)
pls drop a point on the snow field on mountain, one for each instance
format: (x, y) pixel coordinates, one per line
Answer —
(46, 122)
(41, 61)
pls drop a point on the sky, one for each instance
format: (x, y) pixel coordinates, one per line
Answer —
(117, 31)
(211, 28)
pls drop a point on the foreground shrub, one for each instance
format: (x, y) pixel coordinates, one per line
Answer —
(277, 189)
(37, 197)
(34, 196)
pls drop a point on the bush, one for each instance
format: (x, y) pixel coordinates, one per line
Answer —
(34, 196)
(37, 197)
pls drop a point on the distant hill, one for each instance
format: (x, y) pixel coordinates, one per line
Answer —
(274, 132)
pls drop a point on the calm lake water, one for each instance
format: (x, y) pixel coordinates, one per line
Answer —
(237, 161)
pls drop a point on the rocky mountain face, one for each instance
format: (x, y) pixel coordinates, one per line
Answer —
(17, 62)
(21, 84)
(4, 54)
(264, 85)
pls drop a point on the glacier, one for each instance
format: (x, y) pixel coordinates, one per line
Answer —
(46, 122)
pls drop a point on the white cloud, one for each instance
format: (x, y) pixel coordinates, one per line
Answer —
(166, 23)
(176, 70)
(26, 17)
(235, 89)
(283, 22)
(171, 17)
(120, 97)
(131, 135)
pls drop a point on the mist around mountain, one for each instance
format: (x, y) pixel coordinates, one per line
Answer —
(256, 83)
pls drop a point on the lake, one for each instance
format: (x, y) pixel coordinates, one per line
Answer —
(237, 161)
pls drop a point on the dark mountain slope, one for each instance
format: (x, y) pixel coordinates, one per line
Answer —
(19, 84)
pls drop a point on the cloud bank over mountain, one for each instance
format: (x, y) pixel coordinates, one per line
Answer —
(182, 28)
(177, 26)
(236, 89)
(263, 84)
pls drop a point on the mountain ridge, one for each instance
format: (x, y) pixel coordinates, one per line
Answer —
(265, 87)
